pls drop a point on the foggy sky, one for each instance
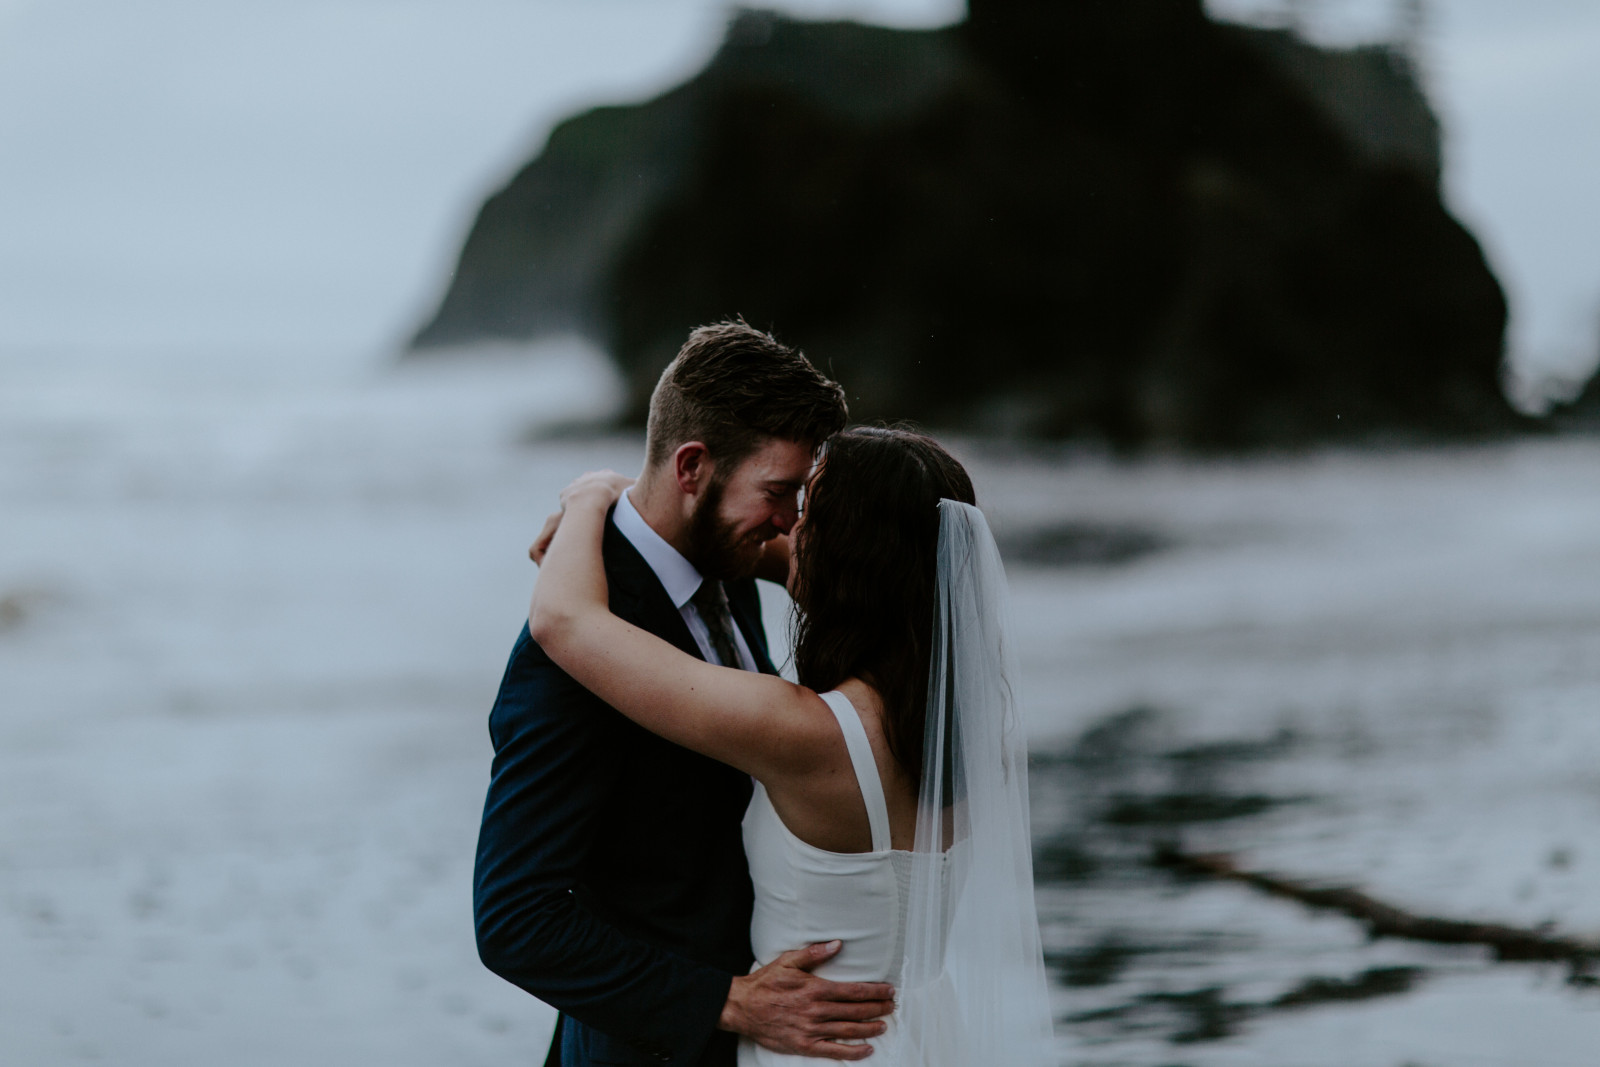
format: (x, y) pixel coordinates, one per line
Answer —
(233, 179)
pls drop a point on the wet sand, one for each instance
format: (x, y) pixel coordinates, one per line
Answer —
(249, 637)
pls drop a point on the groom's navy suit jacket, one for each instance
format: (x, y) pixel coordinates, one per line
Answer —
(611, 879)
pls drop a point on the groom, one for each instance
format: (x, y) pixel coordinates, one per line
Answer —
(611, 879)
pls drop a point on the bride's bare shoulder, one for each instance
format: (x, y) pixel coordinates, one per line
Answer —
(868, 704)
(869, 707)
(806, 740)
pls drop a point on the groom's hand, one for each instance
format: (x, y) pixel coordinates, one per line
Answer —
(786, 1008)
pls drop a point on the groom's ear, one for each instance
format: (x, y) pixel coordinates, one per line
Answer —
(691, 466)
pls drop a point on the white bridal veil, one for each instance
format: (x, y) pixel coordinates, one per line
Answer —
(973, 984)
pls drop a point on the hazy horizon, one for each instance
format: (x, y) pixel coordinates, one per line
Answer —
(294, 180)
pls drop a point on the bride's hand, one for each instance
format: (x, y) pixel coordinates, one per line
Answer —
(602, 487)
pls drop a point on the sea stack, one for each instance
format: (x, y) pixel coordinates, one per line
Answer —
(1112, 220)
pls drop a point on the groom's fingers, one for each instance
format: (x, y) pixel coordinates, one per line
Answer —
(856, 1009)
(848, 1031)
(784, 1008)
(808, 957)
(868, 991)
(866, 1000)
(835, 1051)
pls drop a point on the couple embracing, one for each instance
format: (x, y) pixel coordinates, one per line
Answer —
(700, 863)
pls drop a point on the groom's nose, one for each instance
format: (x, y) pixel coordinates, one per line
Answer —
(785, 515)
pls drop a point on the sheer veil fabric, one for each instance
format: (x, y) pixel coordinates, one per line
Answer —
(973, 986)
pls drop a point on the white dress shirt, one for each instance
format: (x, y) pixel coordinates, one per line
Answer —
(679, 578)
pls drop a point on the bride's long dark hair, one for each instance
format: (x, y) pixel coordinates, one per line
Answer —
(865, 561)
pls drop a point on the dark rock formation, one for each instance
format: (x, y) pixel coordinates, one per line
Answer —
(1582, 411)
(1102, 218)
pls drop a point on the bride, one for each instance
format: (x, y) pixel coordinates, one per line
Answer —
(890, 802)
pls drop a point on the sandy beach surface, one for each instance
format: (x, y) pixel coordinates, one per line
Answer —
(250, 631)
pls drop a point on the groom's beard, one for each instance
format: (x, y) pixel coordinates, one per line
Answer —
(715, 547)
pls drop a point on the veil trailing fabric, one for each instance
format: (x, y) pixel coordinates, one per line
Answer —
(972, 987)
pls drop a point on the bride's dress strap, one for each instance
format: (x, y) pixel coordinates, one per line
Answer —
(871, 786)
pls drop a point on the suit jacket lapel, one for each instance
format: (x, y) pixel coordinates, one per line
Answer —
(636, 593)
(754, 634)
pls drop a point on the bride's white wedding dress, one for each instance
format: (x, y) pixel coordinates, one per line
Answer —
(951, 923)
(804, 894)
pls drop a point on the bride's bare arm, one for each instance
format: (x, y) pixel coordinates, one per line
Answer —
(773, 565)
(758, 723)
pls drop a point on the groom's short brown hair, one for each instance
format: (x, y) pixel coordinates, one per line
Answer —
(731, 387)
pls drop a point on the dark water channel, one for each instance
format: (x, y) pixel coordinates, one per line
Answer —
(1377, 670)
(1106, 808)
(1160, 968)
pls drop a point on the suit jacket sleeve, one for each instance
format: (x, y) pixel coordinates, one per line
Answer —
(551, 775)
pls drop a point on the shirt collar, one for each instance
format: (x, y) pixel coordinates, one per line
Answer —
(677, 575)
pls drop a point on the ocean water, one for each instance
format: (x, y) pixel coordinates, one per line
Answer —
(251, 625)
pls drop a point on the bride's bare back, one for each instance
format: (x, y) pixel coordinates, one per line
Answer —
(826, 809)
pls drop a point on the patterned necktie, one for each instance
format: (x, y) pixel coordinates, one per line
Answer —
(712, 604)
